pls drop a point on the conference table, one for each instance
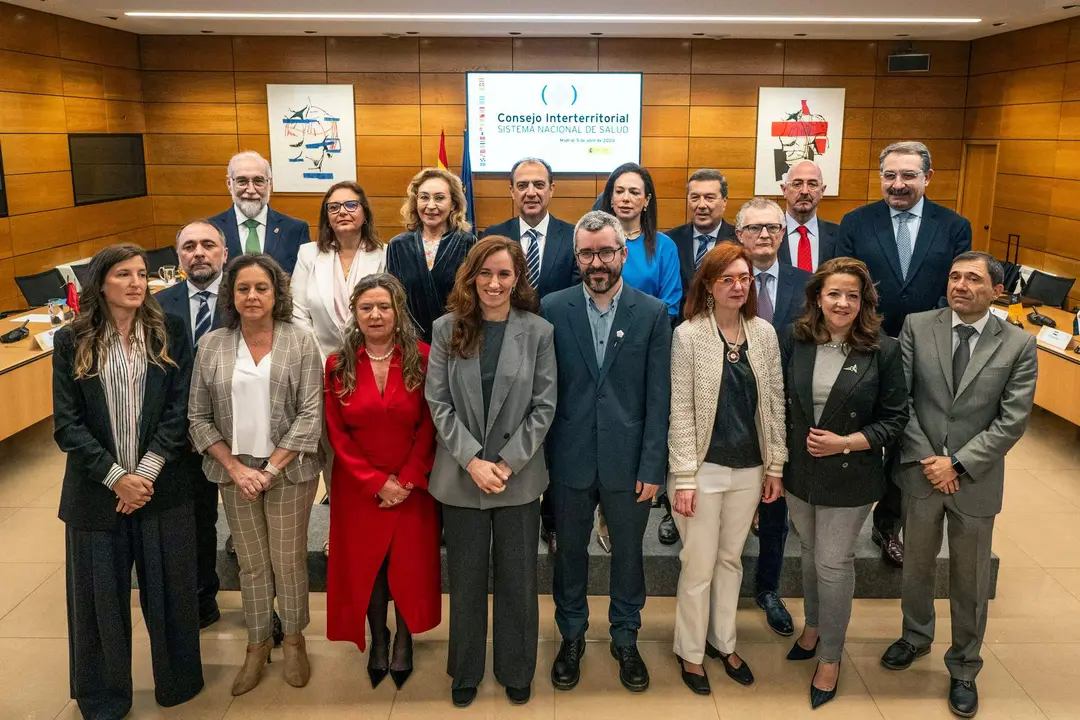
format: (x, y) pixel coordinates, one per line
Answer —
(1058, 387)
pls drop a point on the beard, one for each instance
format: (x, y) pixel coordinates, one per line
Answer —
(600, 281)
(203, 274)
(252, 208)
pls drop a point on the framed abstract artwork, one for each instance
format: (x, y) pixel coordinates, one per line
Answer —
(312, 136)
(798, 124)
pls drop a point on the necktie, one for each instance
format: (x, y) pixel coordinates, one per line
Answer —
(251, 245)
(962, 356)
(806, 258)
(532, 256)
(765, 308)
(903, 241)
(202, 317)
(702, 248)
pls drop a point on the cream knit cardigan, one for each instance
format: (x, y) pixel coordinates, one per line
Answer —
(697, 366)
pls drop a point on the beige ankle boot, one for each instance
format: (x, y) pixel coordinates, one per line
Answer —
(251, 672)
(297, 667)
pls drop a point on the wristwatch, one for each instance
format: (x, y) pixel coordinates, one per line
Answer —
(957, 466)
(271, 469)
(847, 444)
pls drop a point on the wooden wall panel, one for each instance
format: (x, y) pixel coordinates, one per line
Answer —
(441, 89)
(297, 54)
(373, 54)
(464, 54)
(189, 86)
(82, 79)
(34, 153)
(39, 191)
(86, 116)
(738, 57)
(28, 31)
(830, 57)
(186, 52)
(556, 54)
(644, 55)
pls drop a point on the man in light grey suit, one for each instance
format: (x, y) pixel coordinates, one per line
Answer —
(971, 379)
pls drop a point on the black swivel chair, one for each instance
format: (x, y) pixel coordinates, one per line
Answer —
(1048, 289)
(161, 257)
(39, 289)
(82, 273)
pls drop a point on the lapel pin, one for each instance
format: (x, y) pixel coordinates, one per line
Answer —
(277, 230)
(619, 334)
(853, 368)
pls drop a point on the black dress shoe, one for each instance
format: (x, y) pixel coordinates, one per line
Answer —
(798, 652)
(632, 671)
(819, 697)
(741, 674)
(209, 618)
(463, 697)
(548, 536)
(776, 613)
(566, 670)
(892, 549)
(698, 684)
(230, 546)
(519, 696)
(963, 697)
(901, 654)
(276, 631)
(667, 533)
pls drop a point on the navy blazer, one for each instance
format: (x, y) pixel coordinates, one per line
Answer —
(82, 429)
(611, 422)
(558, 267)
(174, 301)
(866, 234)
(829, 233)
(284, 236)
(684, 241)
(790, 296)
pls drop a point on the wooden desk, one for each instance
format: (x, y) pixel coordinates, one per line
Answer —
(25, 379)
(1058, 388)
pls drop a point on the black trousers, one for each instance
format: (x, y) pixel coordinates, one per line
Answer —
(513, 534)
(772, 537)
(547, 511)
(889, 511)
(626, 520)
(205, 496)
(162, 548)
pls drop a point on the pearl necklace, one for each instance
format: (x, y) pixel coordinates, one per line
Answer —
(379, 358)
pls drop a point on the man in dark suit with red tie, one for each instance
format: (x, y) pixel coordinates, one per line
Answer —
(908, 243)
(808, 240)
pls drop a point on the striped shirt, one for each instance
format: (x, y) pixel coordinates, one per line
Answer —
(123, 377)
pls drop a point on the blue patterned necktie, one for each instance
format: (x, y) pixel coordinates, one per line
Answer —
(903, 241)
(202, 317)
(702, 248)
(532, 256)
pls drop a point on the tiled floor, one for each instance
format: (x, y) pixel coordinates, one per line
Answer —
(1032, 653)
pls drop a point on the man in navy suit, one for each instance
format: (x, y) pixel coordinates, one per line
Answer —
(200, 247)
(808, 240)
(250, 225)
(908, 243)
(608, 442)
(781, 293)
(706, 199)
(548, 243)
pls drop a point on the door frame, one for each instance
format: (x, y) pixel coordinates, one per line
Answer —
(962, 185)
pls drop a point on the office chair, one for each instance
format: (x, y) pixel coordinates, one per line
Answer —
(160, 257)
(82, 273)
(39, 289)
(1049, 289)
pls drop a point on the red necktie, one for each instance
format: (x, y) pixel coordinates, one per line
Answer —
(806, 259)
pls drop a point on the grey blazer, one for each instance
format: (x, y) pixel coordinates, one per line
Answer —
(981, 421)
(522, 408)
(296, 398)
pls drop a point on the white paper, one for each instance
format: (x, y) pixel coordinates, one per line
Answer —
(33, 317)
(45, 340)
(1000, 312)
(1054, 338)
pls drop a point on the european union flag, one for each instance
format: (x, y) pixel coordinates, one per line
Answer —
(466, 180)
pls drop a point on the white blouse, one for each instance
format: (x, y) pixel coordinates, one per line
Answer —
(251, 405)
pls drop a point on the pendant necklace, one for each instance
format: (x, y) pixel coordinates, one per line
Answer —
(732, 350)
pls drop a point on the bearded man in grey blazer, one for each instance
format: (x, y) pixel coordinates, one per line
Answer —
(971, 380)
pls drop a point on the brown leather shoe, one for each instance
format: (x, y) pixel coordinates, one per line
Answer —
(297, 667)
(251, 672)
(892, 549)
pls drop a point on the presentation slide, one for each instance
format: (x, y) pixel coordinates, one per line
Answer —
(578, 122)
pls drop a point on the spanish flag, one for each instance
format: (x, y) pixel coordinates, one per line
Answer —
(442, 151)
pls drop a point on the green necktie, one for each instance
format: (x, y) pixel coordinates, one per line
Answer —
(252, 243)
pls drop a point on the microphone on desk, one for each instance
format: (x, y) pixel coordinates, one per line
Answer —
(15, 335)
(1037, 318)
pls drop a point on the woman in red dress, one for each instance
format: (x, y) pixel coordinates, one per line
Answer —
(384, 525)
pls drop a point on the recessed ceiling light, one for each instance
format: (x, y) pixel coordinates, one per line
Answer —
(557, 18)
(515, 33)
(207, 32)
(412, 32)
(111, 17)
(697, 34)
(999, 24)
(1069, 7)
(310, 32)
(592, 33)
(902, 35)
(800, 34)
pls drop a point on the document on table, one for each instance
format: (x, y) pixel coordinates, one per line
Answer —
(34, 318)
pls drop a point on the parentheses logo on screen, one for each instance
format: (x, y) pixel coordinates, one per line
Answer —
(543, 93)
(574, 101)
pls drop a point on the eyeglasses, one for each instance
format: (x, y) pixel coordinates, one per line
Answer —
(585, 257)
(727, 281)
(243, 182)
(907, 176)
(799, 184)
(773, 228)
(335, 207)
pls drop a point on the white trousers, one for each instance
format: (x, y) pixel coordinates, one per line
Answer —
(711, 559)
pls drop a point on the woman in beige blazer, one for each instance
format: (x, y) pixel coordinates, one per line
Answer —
(256, 413)
(726, 453)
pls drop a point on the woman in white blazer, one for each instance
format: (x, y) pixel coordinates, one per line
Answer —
(347, 249)
(727, 450)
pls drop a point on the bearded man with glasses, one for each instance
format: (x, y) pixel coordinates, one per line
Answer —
(250, 225)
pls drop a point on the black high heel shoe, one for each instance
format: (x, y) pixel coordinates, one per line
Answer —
(798, 652)
(378, 674)
(819, 697)
(400, 676)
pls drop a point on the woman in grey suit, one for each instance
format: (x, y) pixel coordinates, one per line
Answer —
(256, 413)
(491, 386)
